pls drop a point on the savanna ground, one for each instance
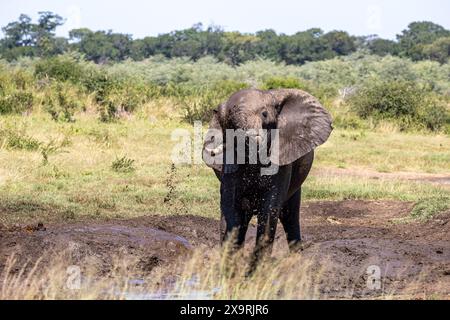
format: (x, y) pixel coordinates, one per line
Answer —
(107, 198)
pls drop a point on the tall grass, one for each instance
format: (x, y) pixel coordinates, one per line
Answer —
(203, 274)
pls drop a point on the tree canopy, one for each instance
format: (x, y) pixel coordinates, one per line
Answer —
(419, 41)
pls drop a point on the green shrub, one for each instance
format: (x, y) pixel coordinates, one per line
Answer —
(123, 164)
(62, 101)
(17, 139)
(348, 121)
(16, 102)
(22, 79)
(199, 107)
(200, 104)
(52, 147)
(432, 113)
(127, 96)
(284, 83)
(62, 68)
(324, 93)
(107, 111)
(22, 142)
(409, 104)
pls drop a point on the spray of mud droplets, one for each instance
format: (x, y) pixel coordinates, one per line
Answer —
(173, 205)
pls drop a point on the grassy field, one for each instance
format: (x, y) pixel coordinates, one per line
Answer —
(55, 171)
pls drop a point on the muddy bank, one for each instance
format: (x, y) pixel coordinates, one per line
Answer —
(346, 238)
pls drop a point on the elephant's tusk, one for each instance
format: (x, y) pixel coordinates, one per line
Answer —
(254, 135)
(214, 151)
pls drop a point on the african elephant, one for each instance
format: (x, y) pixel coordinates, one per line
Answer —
(302, 123)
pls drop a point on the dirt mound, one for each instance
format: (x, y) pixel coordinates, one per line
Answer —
(347, 237)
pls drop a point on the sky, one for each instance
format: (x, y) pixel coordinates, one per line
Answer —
(143, 18)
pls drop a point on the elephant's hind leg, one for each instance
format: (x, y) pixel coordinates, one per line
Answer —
(290, 219)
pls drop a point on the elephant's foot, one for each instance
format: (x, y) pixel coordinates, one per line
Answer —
(299, 246)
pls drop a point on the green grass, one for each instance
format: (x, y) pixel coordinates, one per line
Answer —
(81, 181)
(429, 207)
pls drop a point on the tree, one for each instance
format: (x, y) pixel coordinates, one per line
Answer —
(19, 33)
(269, 44)
(382, 47)
(23, 37)
(418, 34)
(101, 46)
(439, 50)
(239, 47)
(340, 42)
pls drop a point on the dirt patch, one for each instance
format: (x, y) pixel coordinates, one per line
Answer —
(347, 238)
(155, 239)
(437, 179)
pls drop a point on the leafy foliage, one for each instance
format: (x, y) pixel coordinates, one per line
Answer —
(406, 102)
(61, 102)
(200, 105)
(123, 164)
(62, 68)
(16, 138)
(419, 41)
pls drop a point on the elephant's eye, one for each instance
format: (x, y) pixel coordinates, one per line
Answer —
(265, 114)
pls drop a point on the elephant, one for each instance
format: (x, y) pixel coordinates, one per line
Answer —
(302, 124)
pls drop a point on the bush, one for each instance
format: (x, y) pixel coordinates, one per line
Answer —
(21, 141)
(284, 83)
(62, 68)
(408, 103)
(16, 102)
(17, 139)
(323, 93)
(127, 96)
(107, 111)
(52, 147)
(123, 164)
(61, 102)
(200, 104)
(432, 113)
(348, 121)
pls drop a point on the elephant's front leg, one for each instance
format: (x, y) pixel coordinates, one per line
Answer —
(234, 220)
(272, 203)
(265, 235)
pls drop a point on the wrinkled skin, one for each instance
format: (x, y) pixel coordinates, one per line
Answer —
(303, 124)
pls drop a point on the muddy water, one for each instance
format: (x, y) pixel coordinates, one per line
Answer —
(190, 294)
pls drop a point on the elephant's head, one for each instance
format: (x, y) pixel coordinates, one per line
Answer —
(302, 122)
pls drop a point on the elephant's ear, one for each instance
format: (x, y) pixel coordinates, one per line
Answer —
(303, 124)
(214, 142)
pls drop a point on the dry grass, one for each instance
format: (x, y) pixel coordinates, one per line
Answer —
(204, 275)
